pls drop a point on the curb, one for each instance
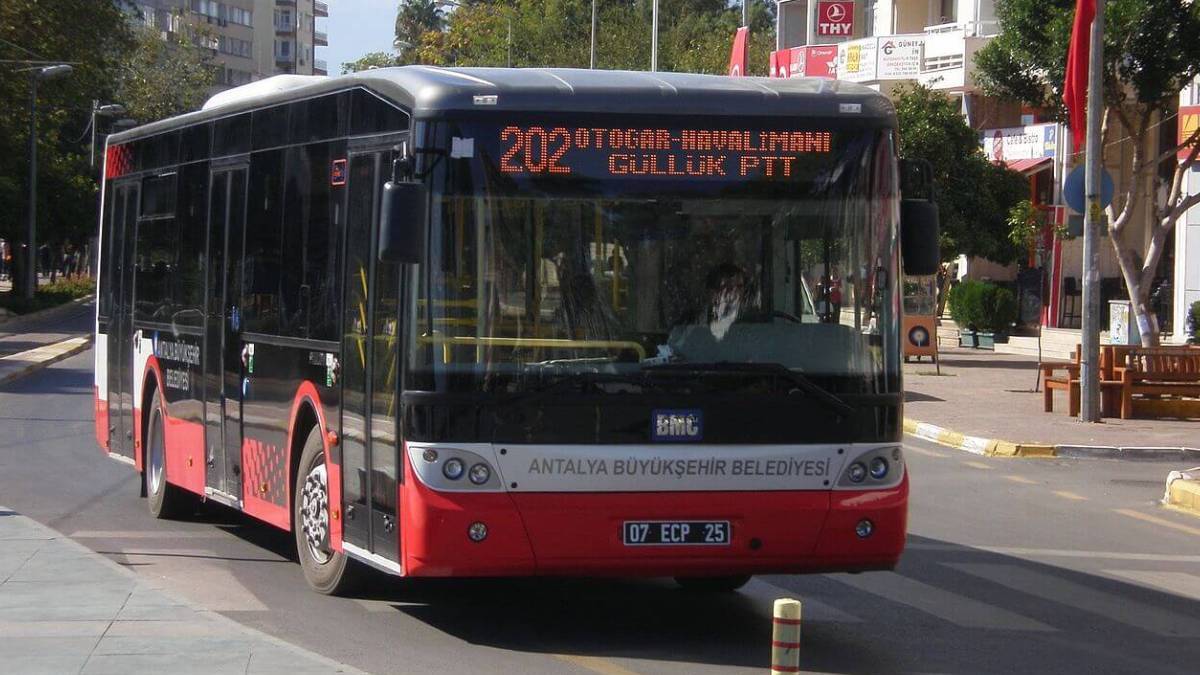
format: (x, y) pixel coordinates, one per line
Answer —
(994, 447)
(976, 445)
(1183, 491)
(38, 358)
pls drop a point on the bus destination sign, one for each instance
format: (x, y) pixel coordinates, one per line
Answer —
(659, 152)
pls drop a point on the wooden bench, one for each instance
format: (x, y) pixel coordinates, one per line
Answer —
(1160, 371)
(1110, 383)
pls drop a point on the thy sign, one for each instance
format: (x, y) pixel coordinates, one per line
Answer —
(835, 19)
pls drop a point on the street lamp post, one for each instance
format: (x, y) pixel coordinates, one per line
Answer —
(592, 59)
(42, 73)
(654, 38)
(106, 110)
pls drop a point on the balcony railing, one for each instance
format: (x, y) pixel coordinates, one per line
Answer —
(320, 38)
(320, 8)
(320, 67)
(969, 28)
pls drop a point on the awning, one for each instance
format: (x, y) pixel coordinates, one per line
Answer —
(1028, 167)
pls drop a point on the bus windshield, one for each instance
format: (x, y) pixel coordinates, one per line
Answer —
(571, 255)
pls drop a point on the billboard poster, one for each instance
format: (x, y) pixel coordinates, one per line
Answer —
(835, 19)
(857, 59)
(1013, 143)
(737, 56)
(899, 57)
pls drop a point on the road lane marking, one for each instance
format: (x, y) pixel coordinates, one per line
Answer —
(923, 451)
(814, 610)
(943, 604)
(1109, 604)
(1175, 583)
(1067, 494)
(596, 664)
(978, 465)
(1158, 521)
(1020, 479)
(1056, 553)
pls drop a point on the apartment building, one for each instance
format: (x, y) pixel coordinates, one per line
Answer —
(251, 39)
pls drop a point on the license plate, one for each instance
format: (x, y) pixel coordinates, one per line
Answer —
(675, 533)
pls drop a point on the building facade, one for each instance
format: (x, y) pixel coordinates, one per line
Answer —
(933, 42)
(250, 39)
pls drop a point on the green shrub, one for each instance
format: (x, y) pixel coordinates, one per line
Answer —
(61, 291)
(1195, 326)
(982, 306)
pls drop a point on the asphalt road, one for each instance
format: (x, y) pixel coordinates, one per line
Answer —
(1013, 566)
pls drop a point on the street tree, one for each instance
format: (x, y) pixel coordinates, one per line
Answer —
(414, 19)
(694, 35)
(369, 61)
(1151, 51)
(91, 36)
(162, 78)
(973, 195)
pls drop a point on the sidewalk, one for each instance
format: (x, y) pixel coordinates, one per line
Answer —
(981, 393)
(67, 609)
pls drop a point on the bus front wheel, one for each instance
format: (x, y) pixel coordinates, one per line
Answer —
(326, 571)
(166, 501)
(726, 584)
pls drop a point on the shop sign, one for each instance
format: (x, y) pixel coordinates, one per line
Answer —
(811, 61)
(1189, 121)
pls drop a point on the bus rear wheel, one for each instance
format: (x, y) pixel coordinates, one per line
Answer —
(326, 571)
(726, 584)
(166, 501)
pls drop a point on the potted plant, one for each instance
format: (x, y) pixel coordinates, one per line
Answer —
(983, 311)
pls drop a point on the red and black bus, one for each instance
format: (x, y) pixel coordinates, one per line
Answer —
(487, 322)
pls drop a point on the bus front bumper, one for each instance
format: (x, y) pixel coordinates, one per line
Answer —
(580, 534)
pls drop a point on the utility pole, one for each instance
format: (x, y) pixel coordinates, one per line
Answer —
(1093, 220)
(654, 38)
(745, 22)
(592, 60)
(30, 286)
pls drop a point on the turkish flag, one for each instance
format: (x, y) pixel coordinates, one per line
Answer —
(1076, 84)
(737, 58)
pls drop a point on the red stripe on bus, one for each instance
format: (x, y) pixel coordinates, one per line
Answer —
(785, 645)
(784, 669)
(786, 622)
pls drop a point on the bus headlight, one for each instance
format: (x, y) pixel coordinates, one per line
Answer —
(857, 472)
(480, 473)
(879, 468)
(453, 468)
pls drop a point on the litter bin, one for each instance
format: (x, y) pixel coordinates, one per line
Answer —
(1122, 329)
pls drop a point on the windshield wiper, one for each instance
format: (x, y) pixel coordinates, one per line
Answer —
(801, 381)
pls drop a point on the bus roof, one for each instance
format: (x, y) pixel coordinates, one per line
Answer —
(431, 91)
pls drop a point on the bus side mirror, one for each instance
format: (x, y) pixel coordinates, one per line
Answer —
(919, 227)
(403, 219)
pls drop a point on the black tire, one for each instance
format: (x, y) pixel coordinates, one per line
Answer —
(726, 584)
(166, 501)
(326, 571)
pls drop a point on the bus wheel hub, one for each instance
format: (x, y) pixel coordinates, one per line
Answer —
(314, 512)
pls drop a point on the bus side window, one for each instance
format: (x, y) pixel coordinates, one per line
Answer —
(264, 221)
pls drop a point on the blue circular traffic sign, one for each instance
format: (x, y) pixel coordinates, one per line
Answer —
(1074, 192)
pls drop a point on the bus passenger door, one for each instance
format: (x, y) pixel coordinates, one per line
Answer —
(370, 368)
(222, 350)
(120, 328)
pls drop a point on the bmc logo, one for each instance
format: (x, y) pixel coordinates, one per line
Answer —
(835, 18)
(677, 425)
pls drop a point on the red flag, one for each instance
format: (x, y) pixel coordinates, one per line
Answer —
(1076, 84)
(737, 58)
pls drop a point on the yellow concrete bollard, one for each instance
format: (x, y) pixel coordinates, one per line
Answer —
(785, 637)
